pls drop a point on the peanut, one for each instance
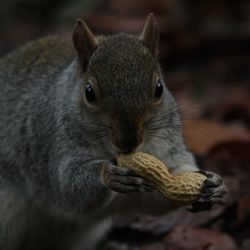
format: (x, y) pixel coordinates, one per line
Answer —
(182, 189)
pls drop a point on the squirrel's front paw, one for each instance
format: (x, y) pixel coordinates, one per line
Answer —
(123, 180)
(214, 192)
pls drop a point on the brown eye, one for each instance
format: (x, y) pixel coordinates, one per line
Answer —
(90, 94)
(158, 89)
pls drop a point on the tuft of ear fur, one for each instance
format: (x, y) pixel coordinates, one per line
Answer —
(84, 42)
(150, 34)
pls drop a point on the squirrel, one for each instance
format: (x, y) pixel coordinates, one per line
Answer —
(68, 107)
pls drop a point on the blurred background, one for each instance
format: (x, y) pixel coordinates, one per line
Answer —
(205, 57)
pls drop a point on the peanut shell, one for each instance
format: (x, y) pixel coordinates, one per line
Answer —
(183, 189)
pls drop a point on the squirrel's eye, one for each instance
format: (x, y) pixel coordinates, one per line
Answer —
(158, 89)
(90, 94)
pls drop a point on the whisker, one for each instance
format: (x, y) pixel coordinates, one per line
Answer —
(169, 126)
(155, 136)
(150, 141)
(189, 106)
(172, 111)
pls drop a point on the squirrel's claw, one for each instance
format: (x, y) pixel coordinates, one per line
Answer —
(123, 180)
(214, 192)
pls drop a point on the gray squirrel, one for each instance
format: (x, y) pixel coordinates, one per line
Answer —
(66, 110)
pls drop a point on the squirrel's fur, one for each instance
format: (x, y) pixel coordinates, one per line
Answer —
(53, 147)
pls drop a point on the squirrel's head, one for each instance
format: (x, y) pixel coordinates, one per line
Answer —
(121, 83)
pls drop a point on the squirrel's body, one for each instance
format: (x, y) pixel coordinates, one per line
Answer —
(28, 80)
(55, 144)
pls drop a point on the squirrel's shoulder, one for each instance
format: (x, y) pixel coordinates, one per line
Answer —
(43, 47)
(44, 53)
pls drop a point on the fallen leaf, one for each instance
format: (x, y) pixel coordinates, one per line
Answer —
(187, 238)
(229, 158)
(229, 105)
(201, 135)
(154, 246)
(245, 244)
(178, 217)
(243, 210)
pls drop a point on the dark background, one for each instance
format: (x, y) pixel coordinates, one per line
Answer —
(205, 56)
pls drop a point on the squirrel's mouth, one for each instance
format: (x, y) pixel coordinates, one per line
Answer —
(128, 150)
(115, 151)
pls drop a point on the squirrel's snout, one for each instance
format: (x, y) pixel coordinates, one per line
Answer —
(127, 133)
(128, 143)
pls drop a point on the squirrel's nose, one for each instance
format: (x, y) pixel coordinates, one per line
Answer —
(128, 144)
(127, 134)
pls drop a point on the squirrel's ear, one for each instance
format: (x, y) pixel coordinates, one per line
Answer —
(150, 34)
(84, 41)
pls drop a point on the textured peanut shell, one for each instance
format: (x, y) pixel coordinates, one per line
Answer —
(183, 189)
